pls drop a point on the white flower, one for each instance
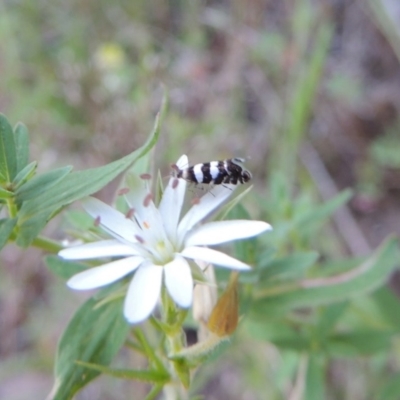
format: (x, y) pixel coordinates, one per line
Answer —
(155, 244)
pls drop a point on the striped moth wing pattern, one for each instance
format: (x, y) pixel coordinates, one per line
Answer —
(228, 171)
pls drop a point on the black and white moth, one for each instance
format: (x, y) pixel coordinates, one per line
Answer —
(215, 172)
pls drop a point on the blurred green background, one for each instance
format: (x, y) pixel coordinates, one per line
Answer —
(308, 91)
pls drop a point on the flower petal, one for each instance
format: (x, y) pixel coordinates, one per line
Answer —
(179, 281)
(146, 213)
(225, 231)
(214, 257)
(171, 205)
(103, 248)
(143, 293)
(111, 220)
(105, 274)
(207, 204)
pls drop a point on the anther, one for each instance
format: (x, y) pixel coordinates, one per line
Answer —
(175, 183)
(122, 191)
(147, 200)
(139, 239)
(97, 221)
(195, 201)
(145, 177)
(129, 213)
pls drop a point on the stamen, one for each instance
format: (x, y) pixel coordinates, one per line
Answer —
(175, 183)
(145, 177)
(146, 225)
(122, 191)
(195, 201)
(97, 221)
(139, 239)
(129, 213)
(147, 200)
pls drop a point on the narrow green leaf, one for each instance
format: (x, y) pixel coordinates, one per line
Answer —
(8, 156)
(370, 275)
(5, 194)
(362, 343)
(6, 228)
(323, 211)
(35, 213)
(278, 332)
(390, 390)
(41, 184)
(62, 268)
(25, 174)
(316, 377)
(329, 316)
(21, 136)
(293, 266)
(94, 335)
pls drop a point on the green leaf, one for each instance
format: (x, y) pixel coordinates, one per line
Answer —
(362, 343)
(373, 273)
(316, 378)
(21, 136)
(62, 268)
(6, 228)
(25, 174)
(35, 213)
(5, 194)
(329, 316)
(320, 213)
(41, 184)
(391, 388)
(8, 156)
(293, 266)
(94, 335)
(278, 332)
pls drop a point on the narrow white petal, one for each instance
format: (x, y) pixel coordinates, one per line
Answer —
(179, 281)
(146, 213)
(103, 248)
(111, 220)
(171, 205)
(207, 204)
(225, 231)
(213, 257)
(105, 274)
(143, 293)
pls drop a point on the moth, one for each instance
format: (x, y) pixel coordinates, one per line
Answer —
(228, 171)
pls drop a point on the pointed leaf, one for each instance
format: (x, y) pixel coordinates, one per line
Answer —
(63, 268)
(390, 390)
(21, 136)
(373, 273)
(362, 343)
(35, 213)
(25, 174)
(8, 155)
(5, 194)
(6, 228)
(94, 335)
(316, 378)
(41, 184)
(293, 266)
